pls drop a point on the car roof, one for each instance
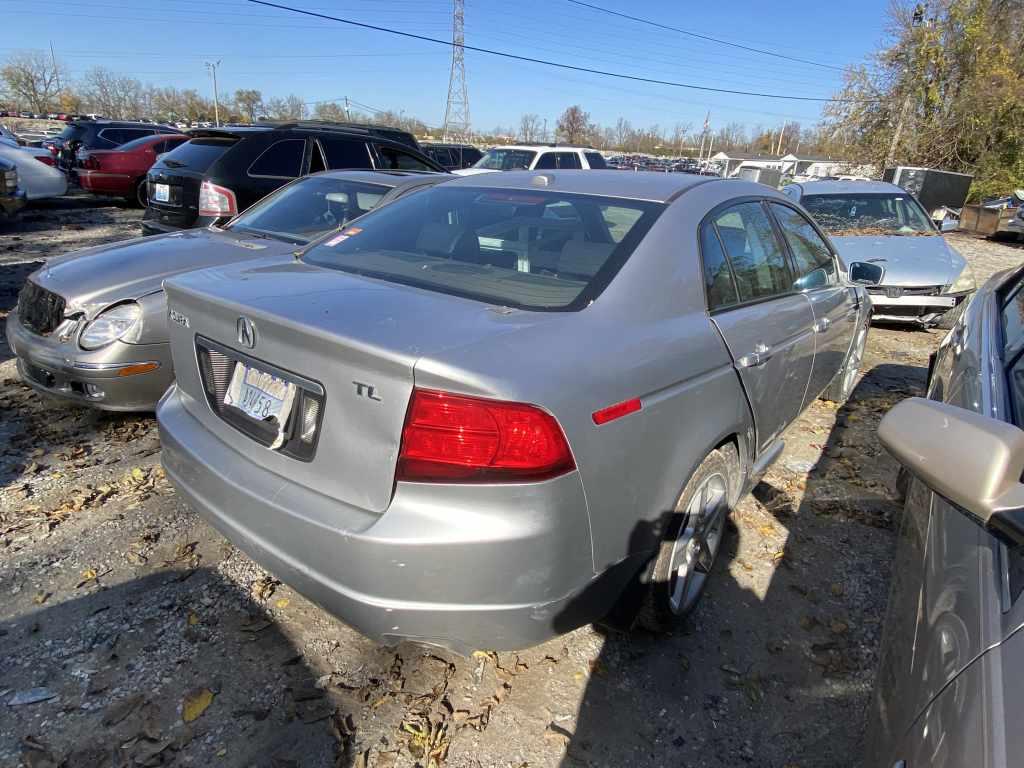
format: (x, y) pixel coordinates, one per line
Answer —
(545, 147)
(384, 178)
(848, 187)
(657, 187)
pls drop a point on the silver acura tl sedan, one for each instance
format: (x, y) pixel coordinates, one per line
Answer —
(926, 281)
(950, 683)
(91, 327)
(487, 411)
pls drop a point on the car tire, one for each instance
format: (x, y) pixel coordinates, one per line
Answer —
(141, 195)
(690, 545)
(841, 387)
(949, 318)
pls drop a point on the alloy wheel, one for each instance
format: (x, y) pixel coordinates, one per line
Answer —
(694, 550)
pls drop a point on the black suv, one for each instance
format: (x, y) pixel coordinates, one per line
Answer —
(99, 134)
(453, 157)
(222, 171)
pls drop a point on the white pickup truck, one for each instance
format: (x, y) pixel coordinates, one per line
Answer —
(536, 157)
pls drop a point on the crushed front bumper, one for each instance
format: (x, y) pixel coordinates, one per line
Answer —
(462, 567)
(897, 304)
(118, 377)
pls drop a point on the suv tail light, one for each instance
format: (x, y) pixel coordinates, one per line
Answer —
(458, 439)
(46, 160)
(217, 201)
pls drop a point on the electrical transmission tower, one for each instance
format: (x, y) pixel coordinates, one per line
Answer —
(456, 113)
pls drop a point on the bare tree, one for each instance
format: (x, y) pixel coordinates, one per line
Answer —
(530, 127)
(113, 95)
(623, 132)
(248, 102)
(575, 125)
(33, 79)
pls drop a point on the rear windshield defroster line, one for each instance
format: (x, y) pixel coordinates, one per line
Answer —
(530, 249)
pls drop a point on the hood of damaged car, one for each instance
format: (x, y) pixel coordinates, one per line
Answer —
(95, 278)
(909, 260)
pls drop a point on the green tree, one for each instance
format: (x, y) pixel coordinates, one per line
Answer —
(248, 102)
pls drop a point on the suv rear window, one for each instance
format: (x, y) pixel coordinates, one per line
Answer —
(342, 153)
(282, 159)
(197, 154)
(595, 160)
(535, 250)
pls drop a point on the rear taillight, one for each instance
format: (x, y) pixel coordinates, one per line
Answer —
(457, 439)
(45, 159)
(217, 201)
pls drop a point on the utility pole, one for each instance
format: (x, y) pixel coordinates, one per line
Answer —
(456, 111)
(348, 115)
(56, 69)
(212, 67)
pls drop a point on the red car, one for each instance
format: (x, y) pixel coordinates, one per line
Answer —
(122, 171)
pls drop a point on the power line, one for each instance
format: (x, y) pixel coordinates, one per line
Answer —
(699, 36)
(560, 65)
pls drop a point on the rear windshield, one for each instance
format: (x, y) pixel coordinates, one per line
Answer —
(197, 154)
(595, 160)
(881, 213)
(302, 211)
(506, 160)
(520, 248)
(71, 132)
(136, 143)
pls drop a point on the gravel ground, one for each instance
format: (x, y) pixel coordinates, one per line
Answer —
(149, 640)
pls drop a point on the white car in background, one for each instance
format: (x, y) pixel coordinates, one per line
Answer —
(37, 179)
(536, 157)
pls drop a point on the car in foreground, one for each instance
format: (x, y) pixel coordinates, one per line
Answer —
(38, 180)
(92, 327)
(79, 136)
(222, 171)
(122, 171)
(452, 157)
(536, 157)
(926, 281)
(950, 685)
(12, 199)
(462, 420)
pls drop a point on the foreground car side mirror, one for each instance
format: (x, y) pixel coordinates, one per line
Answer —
(971, 460)
(865, 273)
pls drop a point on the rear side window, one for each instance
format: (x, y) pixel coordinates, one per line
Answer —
(815, 266)
(391, 159)
(755, 253)
(198, 154)
(595, 160)
(345, 154)
(563, 160)
(721, 290)
(118, 136)
(282, 159)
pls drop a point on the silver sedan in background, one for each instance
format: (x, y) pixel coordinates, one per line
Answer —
(926, 281)
(91, 327)
(950, 683)
(481, 415)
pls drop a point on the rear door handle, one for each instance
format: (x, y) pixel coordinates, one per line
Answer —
(762, 354)
(821, 325)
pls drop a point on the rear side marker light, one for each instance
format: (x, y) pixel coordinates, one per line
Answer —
(617, 411)
(452, 438)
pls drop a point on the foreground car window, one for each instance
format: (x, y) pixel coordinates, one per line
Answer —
(303, 211)
(869, 214)
(815, 266)
(754, 252)
(534, 250)
(506, 160)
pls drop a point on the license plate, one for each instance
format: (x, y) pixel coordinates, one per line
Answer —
(260, 395)
(161, 193)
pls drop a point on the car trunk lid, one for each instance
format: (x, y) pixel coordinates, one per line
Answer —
(355, 339)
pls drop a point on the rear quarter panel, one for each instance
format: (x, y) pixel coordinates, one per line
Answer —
(649, 336)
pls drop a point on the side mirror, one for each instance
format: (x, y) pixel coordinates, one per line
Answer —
(949, 224)
(866, 273)
(972, 460)
(813, 279)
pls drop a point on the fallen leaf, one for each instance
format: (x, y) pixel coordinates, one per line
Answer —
(31, 696)
(281, 602)
(119, 710)
(195, 703)
(41, 597)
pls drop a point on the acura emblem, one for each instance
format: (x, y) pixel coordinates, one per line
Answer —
(893, 292)
(246, 332)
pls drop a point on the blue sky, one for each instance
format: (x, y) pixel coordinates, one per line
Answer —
(165, 42)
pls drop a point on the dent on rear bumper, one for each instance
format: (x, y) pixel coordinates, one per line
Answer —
(463, 567)
(69, 366)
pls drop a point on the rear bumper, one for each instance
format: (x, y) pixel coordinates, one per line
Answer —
(461, 567)
(95, 379)
(153, 223)
(105, 183)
